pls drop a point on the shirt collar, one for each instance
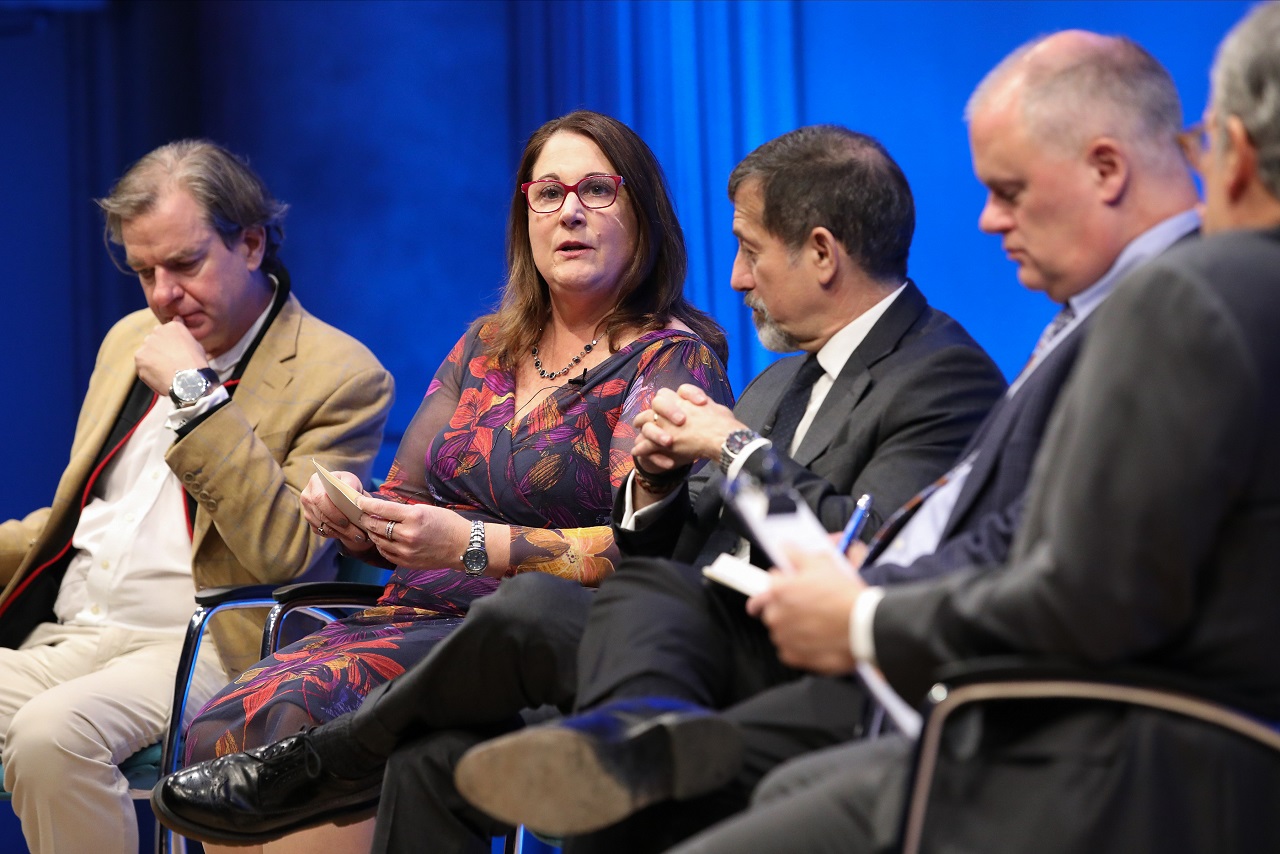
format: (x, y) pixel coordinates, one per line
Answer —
(1142, 248)
(225, 364)
(840, 346)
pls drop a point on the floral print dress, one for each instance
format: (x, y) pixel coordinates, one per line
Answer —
(550, 472)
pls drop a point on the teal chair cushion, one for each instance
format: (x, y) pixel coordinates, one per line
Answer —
(142, 769)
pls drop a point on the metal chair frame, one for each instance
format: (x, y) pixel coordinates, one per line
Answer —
(208, 603)
(1005, 680)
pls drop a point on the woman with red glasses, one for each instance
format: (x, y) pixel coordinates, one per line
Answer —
(511, 462)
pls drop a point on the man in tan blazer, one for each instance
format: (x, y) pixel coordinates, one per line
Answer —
(196, 435)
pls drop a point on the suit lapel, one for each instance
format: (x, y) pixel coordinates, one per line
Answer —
(992, 439)
(995, 431)
(269, 371)
(835, 413)
(110, 398)
(106, 396)
(264, 379)
(855, 376)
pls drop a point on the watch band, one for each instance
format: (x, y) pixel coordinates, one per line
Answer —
(475, 560)
(733, 445)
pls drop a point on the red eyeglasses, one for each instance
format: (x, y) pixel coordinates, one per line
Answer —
(594, 191)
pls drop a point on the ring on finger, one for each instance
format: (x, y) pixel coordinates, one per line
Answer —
(320, 530)
(390, 527)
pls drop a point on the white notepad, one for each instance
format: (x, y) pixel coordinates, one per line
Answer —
(342, 495)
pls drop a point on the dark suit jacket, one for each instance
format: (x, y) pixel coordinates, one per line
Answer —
(982, 523)
(1150, 538)
(903, 407)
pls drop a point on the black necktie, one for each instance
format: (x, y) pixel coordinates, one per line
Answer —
(794, 403)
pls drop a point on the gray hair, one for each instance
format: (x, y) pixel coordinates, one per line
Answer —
(1113, 87)
(232, 196)
(1246, 84)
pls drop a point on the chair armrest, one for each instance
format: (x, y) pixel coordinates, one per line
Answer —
(211, 597)
(209, 602)
(1011, 679)
(329, 592)
(313, 597)
(1008, 677)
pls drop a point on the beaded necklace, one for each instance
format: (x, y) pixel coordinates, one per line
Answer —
(537, 363)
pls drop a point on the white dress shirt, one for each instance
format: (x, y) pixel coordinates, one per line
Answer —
(132, 567)
(832, 357)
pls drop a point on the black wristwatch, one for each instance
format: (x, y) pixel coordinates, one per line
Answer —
(191, 385)
(475, 560)
(733, 445)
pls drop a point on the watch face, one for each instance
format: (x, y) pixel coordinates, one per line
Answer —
(475, 560)
(189, 385)
(738, 440)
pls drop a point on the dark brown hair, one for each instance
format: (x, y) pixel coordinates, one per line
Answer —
(651, 291)
(845, 181)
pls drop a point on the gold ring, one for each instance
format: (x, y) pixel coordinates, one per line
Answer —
(390, 527)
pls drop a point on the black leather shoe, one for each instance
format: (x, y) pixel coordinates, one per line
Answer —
(595, 769)
(263, 794)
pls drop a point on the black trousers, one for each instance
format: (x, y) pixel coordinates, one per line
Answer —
(516, 651)
(653, 628)
(421, 809)
(657, 628)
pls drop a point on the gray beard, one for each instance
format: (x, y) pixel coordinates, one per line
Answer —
(772, 336)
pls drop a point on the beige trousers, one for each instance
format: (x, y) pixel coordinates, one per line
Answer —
(74, 702)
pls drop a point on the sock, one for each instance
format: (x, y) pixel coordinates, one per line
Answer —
(342, 753)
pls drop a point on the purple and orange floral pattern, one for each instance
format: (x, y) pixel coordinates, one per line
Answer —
(549, 472)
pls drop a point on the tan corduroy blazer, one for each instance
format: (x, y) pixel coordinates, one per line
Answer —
(309, 390)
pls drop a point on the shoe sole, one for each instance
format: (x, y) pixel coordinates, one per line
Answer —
(343, 814)
(554, 780)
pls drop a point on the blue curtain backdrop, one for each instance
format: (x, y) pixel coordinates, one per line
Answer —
(393, 129)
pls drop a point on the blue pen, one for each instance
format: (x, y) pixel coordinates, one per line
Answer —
(861, 513)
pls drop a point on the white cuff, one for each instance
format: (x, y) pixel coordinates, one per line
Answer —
(862, 639)
(179, 417)
(747, 450)
(633, 519)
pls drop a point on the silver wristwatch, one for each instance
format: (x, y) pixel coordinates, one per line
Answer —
(191, 385)
(475, 560)
(733, 445)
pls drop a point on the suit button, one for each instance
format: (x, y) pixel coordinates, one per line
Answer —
(204, 495)
(211, 505)
(188, 477)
